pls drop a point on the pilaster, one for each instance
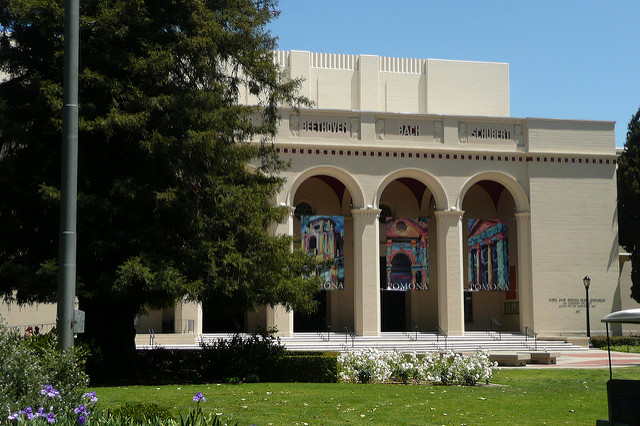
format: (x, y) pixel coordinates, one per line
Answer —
(366, 271)
(450, 271)
(525, 281)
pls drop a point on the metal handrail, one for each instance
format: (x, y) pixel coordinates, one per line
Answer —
(529, 330)
(498, 324)
(415, 329)
(348, 333)
(327, 327)
(439, 332)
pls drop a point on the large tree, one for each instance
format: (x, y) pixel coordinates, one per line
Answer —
(167, 206)
(629, 200)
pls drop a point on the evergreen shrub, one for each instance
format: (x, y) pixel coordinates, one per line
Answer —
(305, 368)
(601, 341)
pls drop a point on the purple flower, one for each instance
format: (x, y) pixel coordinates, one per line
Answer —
(91, 395)
(14, 416)
(82, 420)
(51, 418)
(29, 412)
(199, 397)
(40, 412)
(80, 410)
(50, 391)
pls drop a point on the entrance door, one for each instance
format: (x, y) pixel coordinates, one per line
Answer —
(393, 303)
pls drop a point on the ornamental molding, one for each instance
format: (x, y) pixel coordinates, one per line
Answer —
(294, 125)
(355, 128)
(380, 131)
(449, 214)
(463, 137)
(366, 212)
(438, 132)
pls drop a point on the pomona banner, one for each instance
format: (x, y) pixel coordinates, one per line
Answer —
(407, 254)
(488, 255)
(323, 237)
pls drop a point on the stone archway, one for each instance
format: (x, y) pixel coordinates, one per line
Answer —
(491, 238)
(415, 195)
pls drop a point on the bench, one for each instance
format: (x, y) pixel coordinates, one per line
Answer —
(544, 357)
(510, 359)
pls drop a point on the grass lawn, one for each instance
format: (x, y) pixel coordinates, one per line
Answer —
(516, 396)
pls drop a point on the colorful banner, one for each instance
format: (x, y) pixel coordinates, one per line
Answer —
(407, 254)
(488, 255)
(323, 237)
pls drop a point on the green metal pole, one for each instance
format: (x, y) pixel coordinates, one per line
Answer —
(69, 182)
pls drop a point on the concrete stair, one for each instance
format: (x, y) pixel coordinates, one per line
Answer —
(421, 342)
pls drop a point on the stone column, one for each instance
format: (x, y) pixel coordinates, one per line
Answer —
(198, 319)
(525, 281)
(450, 272)
(366, 262)
(278, 316)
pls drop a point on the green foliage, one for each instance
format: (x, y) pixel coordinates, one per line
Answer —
(601, 341)
(167, 205)
(139, 411)
(306, 368)
(29, 364)
(629, 200)
(242, 360)
(240, 357)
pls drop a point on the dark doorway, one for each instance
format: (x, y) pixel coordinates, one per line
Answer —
(214, 320)
(314, 321)
(468, 306)
(393, 303)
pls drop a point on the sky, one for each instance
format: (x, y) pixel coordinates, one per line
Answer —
(567, 59)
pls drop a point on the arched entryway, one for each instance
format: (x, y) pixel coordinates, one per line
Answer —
(408, 239)
(490, 253)
(322, 226)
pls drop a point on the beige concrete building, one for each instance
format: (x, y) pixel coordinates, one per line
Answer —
(432, 142)
(434, 139)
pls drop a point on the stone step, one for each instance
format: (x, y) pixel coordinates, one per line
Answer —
(406, 342)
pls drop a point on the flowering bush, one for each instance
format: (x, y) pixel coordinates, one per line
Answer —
(28, 364)
(372, 365)
(46, 413)
(83, 415)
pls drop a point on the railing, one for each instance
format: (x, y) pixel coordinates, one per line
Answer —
(414, 327)
(186, 326)
(349, 333)
(494, 323)
(152, 337)
(237, 325)
(529, 330)
(440, 332)
(327, 328)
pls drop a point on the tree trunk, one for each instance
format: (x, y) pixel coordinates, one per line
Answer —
(110, 334)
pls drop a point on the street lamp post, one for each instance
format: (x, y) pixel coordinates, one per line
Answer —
(587, 282)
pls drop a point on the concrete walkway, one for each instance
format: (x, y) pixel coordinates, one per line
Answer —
(593, 358)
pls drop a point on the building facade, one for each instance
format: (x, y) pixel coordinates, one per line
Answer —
(433, 140)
